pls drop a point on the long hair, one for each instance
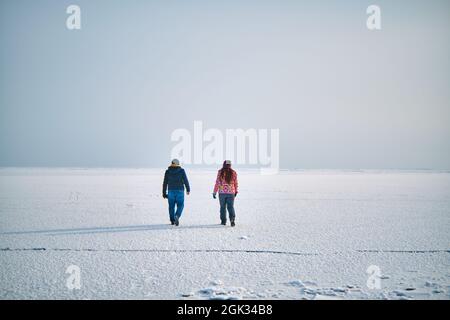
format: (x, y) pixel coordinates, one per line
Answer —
(226, 172)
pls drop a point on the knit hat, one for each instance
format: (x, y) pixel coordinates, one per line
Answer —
(226, 164)
(175, 162)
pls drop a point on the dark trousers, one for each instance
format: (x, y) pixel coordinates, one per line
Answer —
(226, 203)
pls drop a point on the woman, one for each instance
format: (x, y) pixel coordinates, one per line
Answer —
(227, 186)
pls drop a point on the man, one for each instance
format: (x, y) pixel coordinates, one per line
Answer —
(175, 180)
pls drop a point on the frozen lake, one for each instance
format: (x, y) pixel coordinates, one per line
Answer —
(299, 234)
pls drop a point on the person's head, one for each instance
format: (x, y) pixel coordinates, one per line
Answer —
(226, 172)
(175, 163)
(226, 164)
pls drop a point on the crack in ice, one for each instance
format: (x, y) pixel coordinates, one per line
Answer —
(404, 251)
(217, 251)
(163, 250)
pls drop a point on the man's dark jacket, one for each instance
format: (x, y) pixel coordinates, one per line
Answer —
(175, 179)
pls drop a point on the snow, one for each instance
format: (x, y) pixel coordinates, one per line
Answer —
(299, 235)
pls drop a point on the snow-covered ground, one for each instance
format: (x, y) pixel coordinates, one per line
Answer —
(299, 234)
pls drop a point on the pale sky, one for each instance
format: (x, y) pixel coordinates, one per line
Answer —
(110, 94)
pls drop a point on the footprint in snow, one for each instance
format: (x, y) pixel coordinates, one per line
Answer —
(431, 284)
(339, 290)
(296, 283)
(216, 282)
(399, 293)
(301, 284)
(223, 293)
(186, 295)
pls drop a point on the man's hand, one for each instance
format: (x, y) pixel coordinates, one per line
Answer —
(235, 195)
(164, 196)
(188, 192)
(214, 195)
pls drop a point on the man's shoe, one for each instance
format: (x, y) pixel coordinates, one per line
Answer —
(172, 222)
(232, 223)
(224, 223)
(177, 221)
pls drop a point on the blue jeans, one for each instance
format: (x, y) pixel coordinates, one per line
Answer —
(226, 201)
(176, 198)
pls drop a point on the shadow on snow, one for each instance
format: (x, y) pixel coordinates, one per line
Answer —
(92, 230)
